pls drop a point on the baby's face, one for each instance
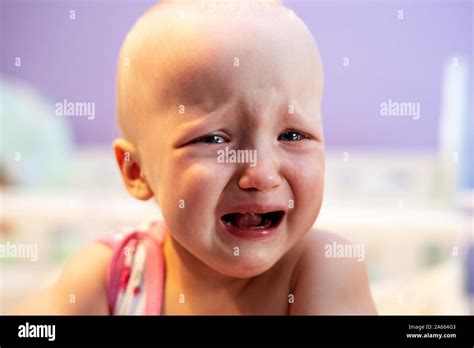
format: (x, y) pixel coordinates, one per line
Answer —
(257, 91)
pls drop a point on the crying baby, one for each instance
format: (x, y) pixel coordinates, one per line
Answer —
(197, 84)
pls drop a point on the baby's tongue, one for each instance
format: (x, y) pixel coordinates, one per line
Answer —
(247, 220)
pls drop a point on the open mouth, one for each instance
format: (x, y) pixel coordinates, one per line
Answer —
(253, 221)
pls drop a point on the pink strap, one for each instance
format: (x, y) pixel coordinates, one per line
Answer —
(152, 241)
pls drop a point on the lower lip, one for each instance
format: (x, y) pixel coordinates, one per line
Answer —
(253, 234)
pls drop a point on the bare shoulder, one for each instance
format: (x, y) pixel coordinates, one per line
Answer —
(79, 289)
(331, 277)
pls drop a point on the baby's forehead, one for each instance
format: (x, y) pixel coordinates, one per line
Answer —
(237, 64)
(195, 59)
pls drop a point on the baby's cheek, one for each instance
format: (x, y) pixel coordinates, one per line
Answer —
(305, 175)
(190, 195)
(307, 183)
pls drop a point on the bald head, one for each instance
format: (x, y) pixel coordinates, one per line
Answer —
(183, 52)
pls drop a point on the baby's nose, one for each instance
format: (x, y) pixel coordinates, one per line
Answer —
(262, 177)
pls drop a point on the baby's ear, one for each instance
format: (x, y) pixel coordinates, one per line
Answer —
(132, 174)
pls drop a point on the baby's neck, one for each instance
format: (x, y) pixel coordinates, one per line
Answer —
(194, 288)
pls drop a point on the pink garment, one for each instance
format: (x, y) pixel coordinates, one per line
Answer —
(136, 276)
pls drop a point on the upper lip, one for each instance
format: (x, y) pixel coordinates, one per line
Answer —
(254, 208)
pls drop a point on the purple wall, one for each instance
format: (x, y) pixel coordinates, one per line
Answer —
(388, 59)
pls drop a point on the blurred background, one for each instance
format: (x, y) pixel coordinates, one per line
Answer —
(402, 186)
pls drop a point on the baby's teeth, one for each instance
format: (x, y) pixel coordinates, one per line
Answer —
(247, 220)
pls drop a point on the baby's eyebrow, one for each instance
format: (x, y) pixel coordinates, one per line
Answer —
(195, 117)
(286, 113)
(310, 122)
(205, 109)
(293, 114)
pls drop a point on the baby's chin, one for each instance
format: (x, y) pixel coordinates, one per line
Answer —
(247, 264)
